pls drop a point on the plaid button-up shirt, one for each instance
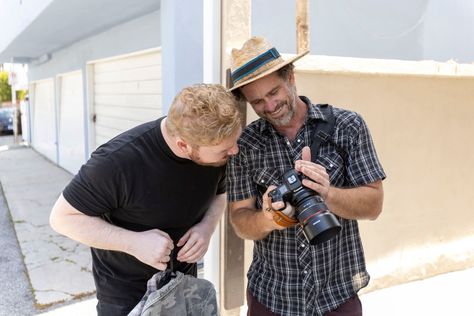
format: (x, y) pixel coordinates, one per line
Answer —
(287, 274)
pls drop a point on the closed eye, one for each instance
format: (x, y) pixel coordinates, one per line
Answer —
(257, 102)
(273, 92)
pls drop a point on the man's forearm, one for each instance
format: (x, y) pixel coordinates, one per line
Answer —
(89, 230)
(216, 209)
(249, 223)
(363, 202)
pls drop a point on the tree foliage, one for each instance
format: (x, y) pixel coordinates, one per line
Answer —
(5, 88)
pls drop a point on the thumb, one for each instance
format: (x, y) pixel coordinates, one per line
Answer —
(306, 154)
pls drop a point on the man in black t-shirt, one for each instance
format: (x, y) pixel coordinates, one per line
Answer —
(152, 194)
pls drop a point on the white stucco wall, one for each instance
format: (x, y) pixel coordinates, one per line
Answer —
(138, 34)
(16, 16)
(407, 29)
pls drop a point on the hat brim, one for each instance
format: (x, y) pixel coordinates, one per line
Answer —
(268, 71)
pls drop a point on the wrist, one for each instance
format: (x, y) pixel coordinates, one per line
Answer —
(128, 241)
(283, 220)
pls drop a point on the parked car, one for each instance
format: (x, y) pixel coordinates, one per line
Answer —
(6, 120)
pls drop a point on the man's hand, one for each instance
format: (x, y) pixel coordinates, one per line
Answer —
(269, 207)
(196, 241)
(318, 177)
(152, 247)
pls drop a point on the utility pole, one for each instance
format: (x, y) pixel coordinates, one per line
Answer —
(302, 26)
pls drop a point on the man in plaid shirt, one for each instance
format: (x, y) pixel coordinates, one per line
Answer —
(289, 276)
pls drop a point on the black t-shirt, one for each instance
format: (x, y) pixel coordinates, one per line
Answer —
(136, 182)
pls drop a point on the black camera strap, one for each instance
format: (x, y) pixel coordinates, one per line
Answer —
(323, 133)
(324, 130)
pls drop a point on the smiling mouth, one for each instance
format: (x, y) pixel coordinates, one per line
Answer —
(277, 111)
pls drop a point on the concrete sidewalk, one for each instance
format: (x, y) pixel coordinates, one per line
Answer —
(58, 268)
(447, 294)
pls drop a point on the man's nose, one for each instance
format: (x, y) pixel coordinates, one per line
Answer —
(270, 105)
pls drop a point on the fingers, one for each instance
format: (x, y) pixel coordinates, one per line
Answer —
(183, 239)
(160, 266)
(194, 249)
(306, 154)
(165, 235)
(267, 201)
(318, 175)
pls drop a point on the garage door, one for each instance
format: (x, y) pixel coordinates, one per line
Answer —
(127, 92)
(44, 127)
(71, 122)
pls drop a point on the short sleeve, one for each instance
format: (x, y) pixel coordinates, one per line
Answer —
(221, 186)
(239, 181)
(363, 164)
(97, 188)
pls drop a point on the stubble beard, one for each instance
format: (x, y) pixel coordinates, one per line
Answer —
(194, 156)
(290, 104)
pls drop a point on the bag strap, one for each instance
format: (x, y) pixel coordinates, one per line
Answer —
(323, 131)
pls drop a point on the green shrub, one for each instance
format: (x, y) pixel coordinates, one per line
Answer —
(5, 88)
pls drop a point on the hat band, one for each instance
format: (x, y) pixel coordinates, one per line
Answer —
(254, 64)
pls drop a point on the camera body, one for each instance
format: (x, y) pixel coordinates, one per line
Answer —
(319, 224)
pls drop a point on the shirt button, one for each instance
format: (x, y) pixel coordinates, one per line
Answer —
(302, 245)
(262, 181)
(305, 272)
(288, 143)
(298, 140)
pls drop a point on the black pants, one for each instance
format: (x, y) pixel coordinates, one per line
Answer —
(352, 307)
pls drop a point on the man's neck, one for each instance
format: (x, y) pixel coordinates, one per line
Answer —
(171, 141)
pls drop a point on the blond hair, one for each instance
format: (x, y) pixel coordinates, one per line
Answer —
(203, 115)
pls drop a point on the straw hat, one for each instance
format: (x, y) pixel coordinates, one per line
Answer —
(256, 59)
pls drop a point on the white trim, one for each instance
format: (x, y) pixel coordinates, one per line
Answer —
(333, 64)
(211, 74)
(141, 52)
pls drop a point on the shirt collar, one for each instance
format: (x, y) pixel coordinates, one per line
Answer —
(314, 112)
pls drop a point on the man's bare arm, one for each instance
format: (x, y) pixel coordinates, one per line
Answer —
(251, 223)
(151, 247)
(196, 240)
(364, 202)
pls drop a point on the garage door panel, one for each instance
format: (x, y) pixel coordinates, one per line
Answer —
(103, 133)
(44, 127)
(71, 122)
(148, 73)
(138, 114)
(151, 101)
(102, 140)
(127, 92)
(138, 61)
(135, 87)
(113, 122)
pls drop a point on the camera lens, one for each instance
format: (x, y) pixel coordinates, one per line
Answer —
(319, 225)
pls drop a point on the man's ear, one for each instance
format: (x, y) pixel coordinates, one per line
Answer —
(291, 77)
(183, 146)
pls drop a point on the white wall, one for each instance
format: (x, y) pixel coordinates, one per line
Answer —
(136, 35)
(405, 29)
(182, 48)
(16, 16)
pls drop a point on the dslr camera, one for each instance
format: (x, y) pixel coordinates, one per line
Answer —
(319, 224)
